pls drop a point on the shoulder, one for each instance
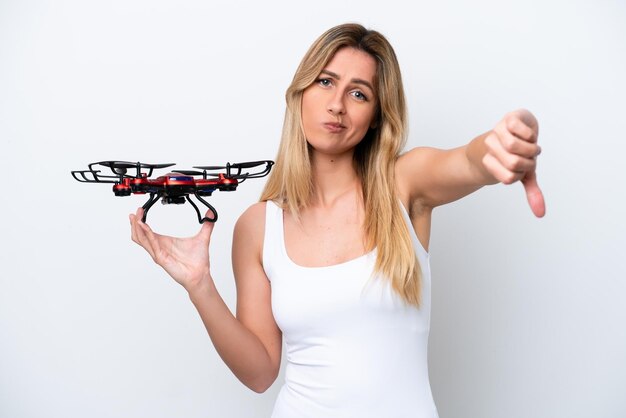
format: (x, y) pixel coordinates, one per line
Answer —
(253, 214)
(415, 160)
(252, 220)
(411, 170)
(249, 232)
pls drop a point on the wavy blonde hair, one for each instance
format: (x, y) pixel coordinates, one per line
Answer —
(290, 183)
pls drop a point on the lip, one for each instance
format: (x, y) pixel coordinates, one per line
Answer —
(334, 127)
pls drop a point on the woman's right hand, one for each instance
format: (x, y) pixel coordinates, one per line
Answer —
(185, 259)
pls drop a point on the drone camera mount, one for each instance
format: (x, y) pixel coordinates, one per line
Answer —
(176, 200)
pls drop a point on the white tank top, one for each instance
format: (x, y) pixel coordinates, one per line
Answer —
(353, 349)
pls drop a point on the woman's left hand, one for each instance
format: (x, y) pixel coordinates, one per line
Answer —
(512, 152)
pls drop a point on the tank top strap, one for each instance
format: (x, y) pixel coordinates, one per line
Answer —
(272, 241)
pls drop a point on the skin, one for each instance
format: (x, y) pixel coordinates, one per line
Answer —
(343, 94)
(337, 110)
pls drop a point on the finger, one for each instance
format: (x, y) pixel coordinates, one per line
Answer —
(148, 240)
(139, 214)
(501, 173)
(205, 232)
(534, 194)
(512, 162)
(140, 237)
(133, 225)
(207, 228)
(521, 126)
(516, 145)
(528, 119)
(133, 234)
(141, 232)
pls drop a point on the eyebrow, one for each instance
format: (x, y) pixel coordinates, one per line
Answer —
(354, 80)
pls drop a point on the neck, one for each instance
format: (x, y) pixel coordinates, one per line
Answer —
(334, 177)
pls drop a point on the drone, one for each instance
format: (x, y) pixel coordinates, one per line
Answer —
(174, 187)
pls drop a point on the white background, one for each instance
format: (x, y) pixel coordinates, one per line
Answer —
(528, 315)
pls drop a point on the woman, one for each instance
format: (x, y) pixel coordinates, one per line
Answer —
(334, 256)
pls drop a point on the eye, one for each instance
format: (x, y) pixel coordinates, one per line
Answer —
(324, 82)
(359, 95)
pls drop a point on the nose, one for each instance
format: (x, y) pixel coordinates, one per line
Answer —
(336, 105)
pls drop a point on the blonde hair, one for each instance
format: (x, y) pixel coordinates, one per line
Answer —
(290, 183)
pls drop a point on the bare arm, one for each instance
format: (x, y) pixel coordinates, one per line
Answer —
(254, 305)
(433, 177)
(249, 344)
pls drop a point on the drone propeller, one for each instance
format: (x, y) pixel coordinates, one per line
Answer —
(210, 167)
(126, 164)
(190, 172)
(202, 173)
(249, 164)
(239, 166)
(121, 167)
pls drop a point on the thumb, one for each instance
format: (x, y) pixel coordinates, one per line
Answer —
(534, 194)
(205, 230)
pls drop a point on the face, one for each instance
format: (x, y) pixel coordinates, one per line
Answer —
(339, 107)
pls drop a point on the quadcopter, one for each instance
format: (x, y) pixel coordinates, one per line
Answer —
(174, 187)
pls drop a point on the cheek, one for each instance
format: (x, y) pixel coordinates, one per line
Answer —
(307, 110)
(366, 120)
(306, 118)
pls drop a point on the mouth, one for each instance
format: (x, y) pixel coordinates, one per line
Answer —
(334, 127)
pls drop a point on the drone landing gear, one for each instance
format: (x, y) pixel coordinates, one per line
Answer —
(178, 200)
(207, 204)
(146, 206)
